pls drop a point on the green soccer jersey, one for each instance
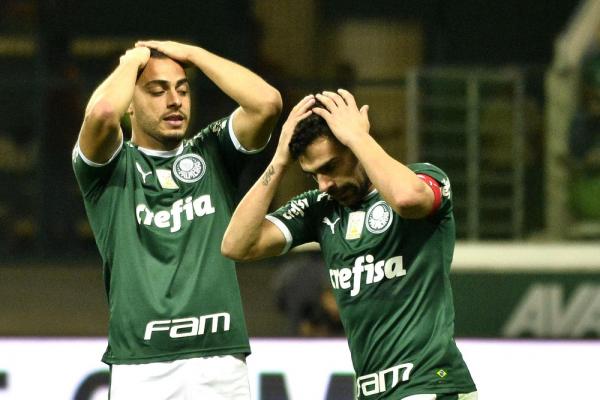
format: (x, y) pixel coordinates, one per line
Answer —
(158, 219)
(390, 277)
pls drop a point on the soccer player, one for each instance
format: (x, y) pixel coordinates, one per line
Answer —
(386, 232)
(158, 206)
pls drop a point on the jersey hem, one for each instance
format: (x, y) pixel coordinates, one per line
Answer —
(177, 356)
(426, 390)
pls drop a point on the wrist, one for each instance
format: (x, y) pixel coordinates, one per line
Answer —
(195, 55)
(280, 163)
(358, 140)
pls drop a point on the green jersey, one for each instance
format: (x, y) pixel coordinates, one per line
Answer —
(158, 219)
(390, 277)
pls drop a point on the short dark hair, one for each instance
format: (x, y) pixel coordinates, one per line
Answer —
(308, 130)
(159, 55)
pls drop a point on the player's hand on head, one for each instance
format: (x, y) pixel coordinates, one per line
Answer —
(298, 113)
(343, 116)
(175, 50)
(138, 55)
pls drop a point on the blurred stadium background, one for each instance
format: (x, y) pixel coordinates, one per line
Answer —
(504, 96)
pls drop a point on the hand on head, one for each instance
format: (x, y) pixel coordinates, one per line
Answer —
(298, 113)
(177, 51)
(342, 115)
(139, 55)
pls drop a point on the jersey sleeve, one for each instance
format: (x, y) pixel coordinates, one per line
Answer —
(93, 177)
(441, 178)
(296, 219)
(222, 134)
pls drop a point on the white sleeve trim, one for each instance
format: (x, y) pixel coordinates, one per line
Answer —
(238, 146)
(93, 163)
(284, 229)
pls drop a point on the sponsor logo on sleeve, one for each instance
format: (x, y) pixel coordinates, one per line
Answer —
(296, 208)
(446, 190)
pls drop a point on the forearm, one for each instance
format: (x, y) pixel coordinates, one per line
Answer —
(246, 88)
(117, 89)
(400, 187)
(243, 239)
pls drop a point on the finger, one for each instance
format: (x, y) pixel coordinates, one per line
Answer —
(347, 96)
(153, 44)
(306, 114)
(326, 101)
(303, 100)
(337, 99)
(306, 102)
(323, 113)
(364, 110)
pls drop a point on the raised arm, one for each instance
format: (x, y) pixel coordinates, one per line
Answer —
(401, 188)
(259, 103)
(249, 235)
(100, 133)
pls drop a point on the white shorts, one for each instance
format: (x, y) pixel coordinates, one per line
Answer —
(218, 378)
(465, 396)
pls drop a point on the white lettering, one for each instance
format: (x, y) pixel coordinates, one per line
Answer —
(155, 326)
(541, 312)
(352, 278)
(296, 208)
(162, 219)
(202, 206)
(393, 268)
(189, 326)
(172, 218)
(376, 382)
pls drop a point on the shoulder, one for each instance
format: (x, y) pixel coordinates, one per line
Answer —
(212, 130)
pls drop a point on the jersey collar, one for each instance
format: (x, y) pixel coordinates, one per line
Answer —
(162, 153)
(370, 194)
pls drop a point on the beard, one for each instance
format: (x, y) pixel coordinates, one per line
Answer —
(351, 193)
(156, 132)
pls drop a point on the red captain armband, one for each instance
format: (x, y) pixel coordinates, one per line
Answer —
(437, 191)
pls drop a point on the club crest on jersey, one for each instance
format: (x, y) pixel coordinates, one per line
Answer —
(189, 168)
(379, 217)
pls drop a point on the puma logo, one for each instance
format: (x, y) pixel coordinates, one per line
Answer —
(331, 224)
(141, 171)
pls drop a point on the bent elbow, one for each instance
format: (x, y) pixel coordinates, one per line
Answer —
(229, 250)
(272, 103)
(103, 113)
(412, 206)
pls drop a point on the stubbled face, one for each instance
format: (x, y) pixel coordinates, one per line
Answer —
(160, 108)
(336, 170)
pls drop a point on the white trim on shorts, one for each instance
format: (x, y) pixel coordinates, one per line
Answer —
(218, 378)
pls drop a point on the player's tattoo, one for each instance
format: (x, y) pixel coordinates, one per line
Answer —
(268, 175)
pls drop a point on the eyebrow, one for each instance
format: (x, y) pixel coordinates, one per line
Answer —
(163, 83)
(320, 167)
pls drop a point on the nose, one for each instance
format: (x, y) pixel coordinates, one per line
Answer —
(325, 182)
(173, 99)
